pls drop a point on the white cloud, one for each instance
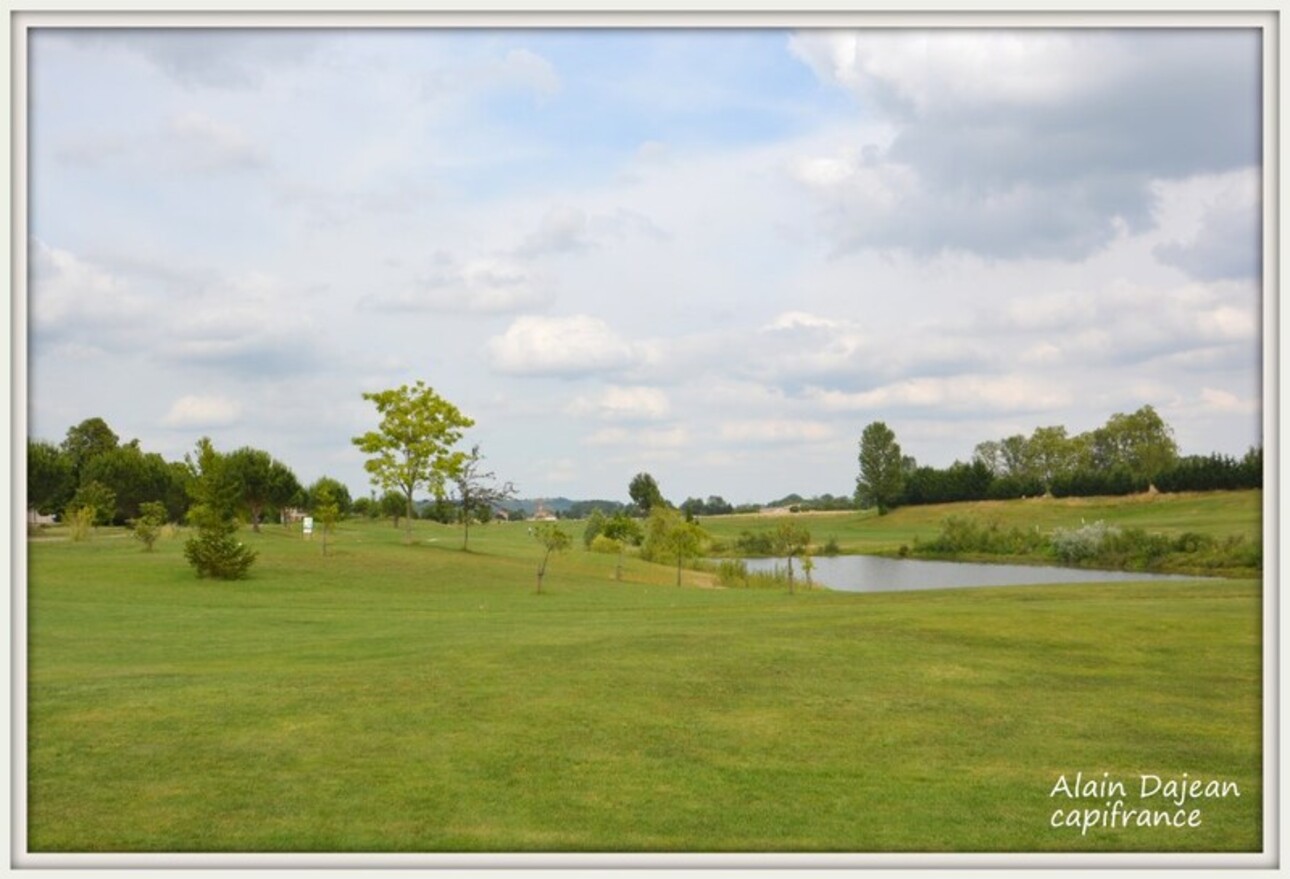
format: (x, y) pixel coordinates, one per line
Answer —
(198, 412)
(482, 285)
(655, 439)
(527, 69)
(951, 394)
(210, 145)
(776, 432)
(577, 345)
(618, 403)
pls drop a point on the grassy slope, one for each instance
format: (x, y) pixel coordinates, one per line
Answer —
(417, 698)
(1220, 513)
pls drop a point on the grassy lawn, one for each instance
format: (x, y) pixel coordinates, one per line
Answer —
(418, 698)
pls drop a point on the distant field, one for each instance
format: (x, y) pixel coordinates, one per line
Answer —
(1221, 513)
(396, 698)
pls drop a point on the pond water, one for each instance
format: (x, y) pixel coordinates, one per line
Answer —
(867, 573)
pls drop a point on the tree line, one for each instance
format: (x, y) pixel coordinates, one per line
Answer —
(1130, 453)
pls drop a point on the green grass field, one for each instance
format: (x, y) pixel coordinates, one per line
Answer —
(422, 699)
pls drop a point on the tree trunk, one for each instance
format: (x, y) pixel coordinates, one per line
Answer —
(678, 570)
(407, 524)
(790, 575)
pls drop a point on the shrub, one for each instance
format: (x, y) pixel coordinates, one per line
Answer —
(607, 545)
(1076, 545)
(147, 528)
(831, 547)
(81, 521)
(732, 573)
(218, 554)
(761, 543)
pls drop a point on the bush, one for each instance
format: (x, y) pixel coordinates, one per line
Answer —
(761, 543)
(1075, 545)
(607, 545)
(831, 547)
(147, 528)
(219, 555)
(963, 535)
(732, 573)
(81, 521)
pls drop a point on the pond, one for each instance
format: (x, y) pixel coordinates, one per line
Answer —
(867, 573)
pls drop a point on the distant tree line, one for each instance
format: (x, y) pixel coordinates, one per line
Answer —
(92, 473)
(1129, 454)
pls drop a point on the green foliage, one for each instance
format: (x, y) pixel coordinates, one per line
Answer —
(326, 509)
(266, 482)
(86, 441)
(326, 490)
(965, 535)
(755, 543)
(595, 526)
(645, 493)
(882, 477)
(147, 527)
(623, 528)
(553, 539)
(133, 477)
(50, 479)
(413, 445)
(81, 522)
(607, 545)
(216, 491)
(96, 497)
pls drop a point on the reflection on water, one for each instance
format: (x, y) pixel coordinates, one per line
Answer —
(866, 573)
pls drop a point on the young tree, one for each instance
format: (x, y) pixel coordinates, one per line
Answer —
(881, 477)
(214, 551)
(147, 528)
(326, 509)
(477, 492)
(553, 539)
(326, 490)
(97, 498)
(669, 536)
(413, 446)
(791, 539)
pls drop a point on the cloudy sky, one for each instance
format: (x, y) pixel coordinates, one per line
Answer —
(712, 255)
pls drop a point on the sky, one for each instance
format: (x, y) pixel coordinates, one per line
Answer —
(711, 255)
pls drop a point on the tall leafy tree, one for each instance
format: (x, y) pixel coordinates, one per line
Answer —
(1141, 442)
(326, 490)
(84, 441)
(135, 477)
(413, 445)
(881, 479)
(266, 482)
(645, 493)
(50, 480)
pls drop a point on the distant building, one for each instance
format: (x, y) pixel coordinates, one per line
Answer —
(542, 514)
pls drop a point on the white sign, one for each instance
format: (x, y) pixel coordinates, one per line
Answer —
(309, 524)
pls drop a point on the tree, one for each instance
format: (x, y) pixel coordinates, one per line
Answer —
(791, 540)
(85, 441)
(50, 480)
(391, 504)
(326, 490)
(266, 482)
(881, 477)
(147, 528)
(97, 499)
(214, 551)
(645, 493)
(325, 507)
(669, 536)
(477, 493)
(553, 539)
(413, 446)
(1141, 442)
(595, 525)
(133, 477)
(1050, 454)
